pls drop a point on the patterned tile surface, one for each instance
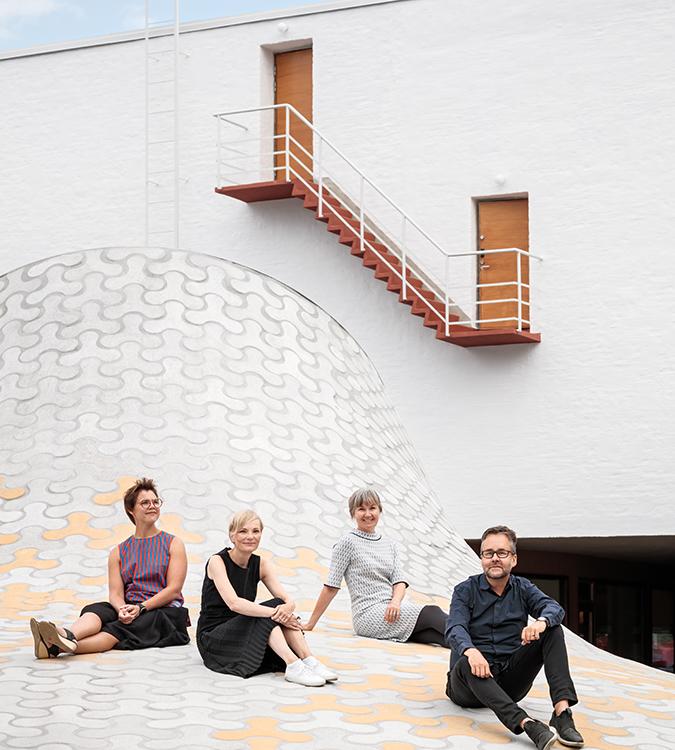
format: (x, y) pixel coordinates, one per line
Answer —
(231, 390)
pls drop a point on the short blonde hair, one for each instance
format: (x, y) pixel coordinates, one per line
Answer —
(361, 497)
(239, 520)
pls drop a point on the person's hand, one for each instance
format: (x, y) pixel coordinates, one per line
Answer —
(478, 663)
(283, 614)
(306, 626)
(532, 632)
(287, 607)
(285, 620)
(393, 612)
(128, 613)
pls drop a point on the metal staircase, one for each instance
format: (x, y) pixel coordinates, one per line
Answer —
(255, 163)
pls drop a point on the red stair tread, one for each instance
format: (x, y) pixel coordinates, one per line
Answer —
(258, 191)
(490, 337)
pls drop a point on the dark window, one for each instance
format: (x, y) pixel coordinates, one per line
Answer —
(553, 586)
(611, 617)
(663, 627)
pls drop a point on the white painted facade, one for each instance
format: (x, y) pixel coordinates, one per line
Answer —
(432, 100)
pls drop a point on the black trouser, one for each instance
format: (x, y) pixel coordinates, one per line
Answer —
(430, 626)
(512, 680)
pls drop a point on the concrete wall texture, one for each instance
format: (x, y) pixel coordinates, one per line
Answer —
(432, 100)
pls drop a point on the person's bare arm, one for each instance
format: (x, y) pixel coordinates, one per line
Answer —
(326, 596)
(284, 613)
(218, 574)
(115, 583)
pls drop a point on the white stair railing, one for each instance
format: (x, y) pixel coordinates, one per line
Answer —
(249, 151)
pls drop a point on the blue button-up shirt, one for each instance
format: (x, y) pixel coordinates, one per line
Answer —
(478, 618)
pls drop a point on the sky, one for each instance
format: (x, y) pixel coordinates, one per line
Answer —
(29, 23)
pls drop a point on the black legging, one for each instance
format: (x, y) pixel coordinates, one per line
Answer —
(430, 626)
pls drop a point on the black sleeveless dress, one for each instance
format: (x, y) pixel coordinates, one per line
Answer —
(231, 643)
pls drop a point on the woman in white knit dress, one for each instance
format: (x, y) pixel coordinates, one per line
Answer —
(370, 565)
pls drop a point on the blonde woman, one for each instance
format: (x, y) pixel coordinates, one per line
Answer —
(370, 564)
(145, 608)
(239, 637)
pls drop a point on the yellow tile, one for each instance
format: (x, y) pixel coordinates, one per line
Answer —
(172, 523)
(27, 558)
(116, 496)
(304, 559)
(77, 525)
(18, 602)
(391, 712)
(262, 733)
(10, 493)
(594, 734)
(324, 702)
(614, 704)
(458, 726)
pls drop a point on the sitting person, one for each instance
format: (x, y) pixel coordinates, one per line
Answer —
(370, 564)
(239, 637)
(496, 654)
(145, 577)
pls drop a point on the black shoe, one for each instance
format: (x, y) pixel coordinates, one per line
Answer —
(540, 734)
(567, 732)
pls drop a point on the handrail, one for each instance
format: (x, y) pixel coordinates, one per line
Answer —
(342, 156)
(293, 167)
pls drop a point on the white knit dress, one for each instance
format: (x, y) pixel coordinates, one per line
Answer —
(370, 566)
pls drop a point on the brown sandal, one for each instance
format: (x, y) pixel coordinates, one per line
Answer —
(50, 634)
(41, 649)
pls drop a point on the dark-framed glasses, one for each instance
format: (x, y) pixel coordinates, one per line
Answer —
(486, 554)
(156, 502)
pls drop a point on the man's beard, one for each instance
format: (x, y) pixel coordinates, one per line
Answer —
(500, 572)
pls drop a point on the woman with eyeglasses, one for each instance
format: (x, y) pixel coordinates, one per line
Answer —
(146, 573)
(370, 564)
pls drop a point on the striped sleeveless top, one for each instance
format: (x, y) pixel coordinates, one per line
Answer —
(143, 566)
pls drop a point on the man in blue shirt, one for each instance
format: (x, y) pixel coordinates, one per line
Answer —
(496, 654)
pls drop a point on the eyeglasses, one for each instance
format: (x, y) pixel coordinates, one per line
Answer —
(156, 503)
(487, 554)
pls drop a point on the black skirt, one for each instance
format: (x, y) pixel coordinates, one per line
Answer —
(164, 626)
(239, 647)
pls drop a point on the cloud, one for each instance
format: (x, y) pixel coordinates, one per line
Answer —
(133, 16)
(16, 12)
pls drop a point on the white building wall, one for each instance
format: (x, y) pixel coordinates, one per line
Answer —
(432, 99)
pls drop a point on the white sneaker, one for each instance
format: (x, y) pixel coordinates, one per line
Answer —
(318, 668)
(301, 674)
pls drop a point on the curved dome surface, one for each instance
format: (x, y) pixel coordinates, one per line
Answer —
(232, 391)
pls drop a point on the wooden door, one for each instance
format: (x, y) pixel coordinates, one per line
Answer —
(293, 85)
(503, 224)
